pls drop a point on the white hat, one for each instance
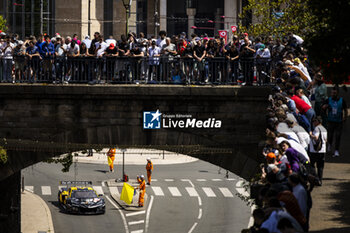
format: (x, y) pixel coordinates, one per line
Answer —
(87, 37)
(142, 177)
(148, 159)
(20, 42)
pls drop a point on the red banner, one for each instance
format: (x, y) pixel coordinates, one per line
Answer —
(223, 34)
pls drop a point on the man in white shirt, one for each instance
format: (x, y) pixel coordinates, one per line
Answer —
(101, 46)
(161, 41)
(6, 49)
(87, 41)
(318, 156)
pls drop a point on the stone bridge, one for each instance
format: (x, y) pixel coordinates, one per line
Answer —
(41, 121)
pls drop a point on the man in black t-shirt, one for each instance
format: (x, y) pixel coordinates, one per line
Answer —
(247, 61)
(232, 56)
(199, 54)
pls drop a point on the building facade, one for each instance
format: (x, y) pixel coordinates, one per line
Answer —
(84, 17)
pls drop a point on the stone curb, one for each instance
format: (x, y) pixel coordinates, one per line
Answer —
(116, 196)
(45, 208)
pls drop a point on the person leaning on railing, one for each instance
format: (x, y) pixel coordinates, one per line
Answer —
(32, 52)
(19, 58)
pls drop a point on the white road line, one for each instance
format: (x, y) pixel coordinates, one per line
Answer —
(239, 183)
(201, 180)
(192, 191)
(98, 189)
(209, 192)
(243, 192)
(103, 184)
(199, 201)
(121, 213)
(216, 179)
(169, 180)
(114, 190)
(251, 219)
(154, 180)
(136, 222)
(46, 190)
(226, 192)
(157, 191)
(138, 231)
(200, 213)
(135, 213)
(189, 181)
(29, 188)
(148, 213)
(192, 228)
(230, 179)
(174, 191)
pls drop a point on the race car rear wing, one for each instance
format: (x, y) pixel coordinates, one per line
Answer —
(77, 183)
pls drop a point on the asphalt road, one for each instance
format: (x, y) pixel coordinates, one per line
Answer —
(189, 198)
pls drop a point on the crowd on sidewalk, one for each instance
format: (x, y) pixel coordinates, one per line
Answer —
(174, 59)
(304, 125)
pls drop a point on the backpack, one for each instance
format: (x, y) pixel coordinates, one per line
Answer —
(318, 143)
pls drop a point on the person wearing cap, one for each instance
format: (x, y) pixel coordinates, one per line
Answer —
(87, 41)
(149, 169)
(110, 157)
(142, 188)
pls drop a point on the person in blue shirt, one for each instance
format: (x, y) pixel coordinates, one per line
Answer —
(32, 52)
(337, 113)
(47, 52)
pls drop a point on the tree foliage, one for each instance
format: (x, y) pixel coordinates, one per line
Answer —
(3, 26)
(329, 46)
(278, 17)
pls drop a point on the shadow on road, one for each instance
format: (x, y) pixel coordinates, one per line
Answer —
(342, 206)
(102, 171)
(334, 230)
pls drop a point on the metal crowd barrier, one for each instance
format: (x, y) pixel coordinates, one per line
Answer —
(160, 70)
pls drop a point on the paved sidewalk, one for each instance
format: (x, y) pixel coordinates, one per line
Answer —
(35, 214)
(331, 205)
(136, 157)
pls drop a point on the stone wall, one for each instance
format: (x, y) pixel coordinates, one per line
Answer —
(113, 115)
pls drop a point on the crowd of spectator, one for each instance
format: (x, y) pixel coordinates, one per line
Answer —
(304, 125)
(176, 59)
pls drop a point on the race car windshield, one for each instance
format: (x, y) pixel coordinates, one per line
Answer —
(84, 194)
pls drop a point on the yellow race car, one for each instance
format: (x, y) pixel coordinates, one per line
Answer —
(77, 197)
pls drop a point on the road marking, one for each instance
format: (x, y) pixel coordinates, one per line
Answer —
(98, 189)
(169, 180)
(136, 222)
(199, 201)
(192, 228)
(136, 213)
(103, 184)
(157, 191)
(188, 181)
(230, 179)
(121, 213)
(148, 213)
(192, 191)
(154, 180)
(200, 213)
(242, 191)
(46, 190)
(175, 191)
(251, 219)
(226, 192)
(209, 192)
(138, 231)
(114, 190)
(29, 188)
(239, 183)
(216, 179)
(201, 180)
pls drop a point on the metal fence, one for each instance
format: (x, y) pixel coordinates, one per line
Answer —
(167, 70)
